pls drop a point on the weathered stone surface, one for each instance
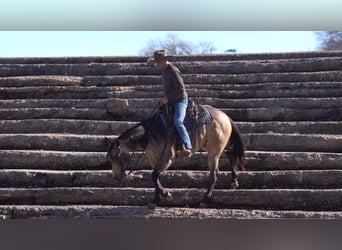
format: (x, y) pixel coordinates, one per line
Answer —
(215, 79)
(284, 105)
(190, 67)
(27, 81)
(55, 113)
(97, 143)
(298, 127)
(293, 160)
(54, 160)
(273, 199)
(292, 179)
(53, 103)
(256, 161)
(100, 127)
(56, 92)
(69, 126)
(294, 142)
(128, 112)
(144, 212)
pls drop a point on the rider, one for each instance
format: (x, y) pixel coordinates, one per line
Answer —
(175, 95)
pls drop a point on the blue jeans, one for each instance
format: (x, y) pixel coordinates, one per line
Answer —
(178, 119)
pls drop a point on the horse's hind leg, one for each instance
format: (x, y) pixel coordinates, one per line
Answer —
(234, 184)
(213, 167)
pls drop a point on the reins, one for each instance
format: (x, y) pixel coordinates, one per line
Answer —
(141, 153)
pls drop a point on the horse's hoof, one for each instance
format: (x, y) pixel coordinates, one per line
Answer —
(168, 196)
(203, 205)
(234, 185)
(151, 205)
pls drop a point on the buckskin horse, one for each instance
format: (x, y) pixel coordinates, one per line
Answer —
(216, 136)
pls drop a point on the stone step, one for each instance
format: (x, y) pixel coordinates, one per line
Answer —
(292, 179)
(202, 57)
(216, 79)
(273, 199)
(27, 81)
(186, 67)
(97, 143)
(119, 111)
(123, 109)
(293, 142)
(144, 212)
(231, 91)
(98, 127)
(54, 103)
(70, 126)
(300, 103)
(55, 113)
(256, 161)
(58, 92)
(237, 92)
(198, 93)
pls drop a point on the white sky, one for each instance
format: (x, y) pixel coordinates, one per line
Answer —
(117, 43)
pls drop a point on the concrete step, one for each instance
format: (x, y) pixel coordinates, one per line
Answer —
(256, 161)
(272, 199)
(97, 143)
(144, 212)
(99, 127)
(187, 67)
(291, 179)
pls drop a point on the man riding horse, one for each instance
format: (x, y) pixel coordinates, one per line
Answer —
(175, 96)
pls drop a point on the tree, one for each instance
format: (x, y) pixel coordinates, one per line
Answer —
(176, 46)
(330, 40)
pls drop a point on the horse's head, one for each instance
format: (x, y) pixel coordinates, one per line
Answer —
(118, 156)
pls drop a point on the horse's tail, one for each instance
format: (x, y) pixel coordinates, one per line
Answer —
(236, 148)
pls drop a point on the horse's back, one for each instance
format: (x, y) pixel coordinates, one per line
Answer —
(217, 133)
(219, 116)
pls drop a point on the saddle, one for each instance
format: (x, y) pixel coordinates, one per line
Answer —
(197, 115)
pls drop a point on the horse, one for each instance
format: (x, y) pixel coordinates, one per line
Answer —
(216, 137)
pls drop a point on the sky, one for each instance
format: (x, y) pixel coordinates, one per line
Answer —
(131, 43)
(174, 15)
(59, 28)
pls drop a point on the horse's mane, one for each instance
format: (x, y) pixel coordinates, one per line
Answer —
(154, 128)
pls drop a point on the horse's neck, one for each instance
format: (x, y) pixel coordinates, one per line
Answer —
(134, 138)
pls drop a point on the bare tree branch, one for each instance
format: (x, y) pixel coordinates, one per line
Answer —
(330, 40)
(176, 46)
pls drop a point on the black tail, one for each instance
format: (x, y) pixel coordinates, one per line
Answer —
(236, 148)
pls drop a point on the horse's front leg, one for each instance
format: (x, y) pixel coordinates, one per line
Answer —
(159, 189)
